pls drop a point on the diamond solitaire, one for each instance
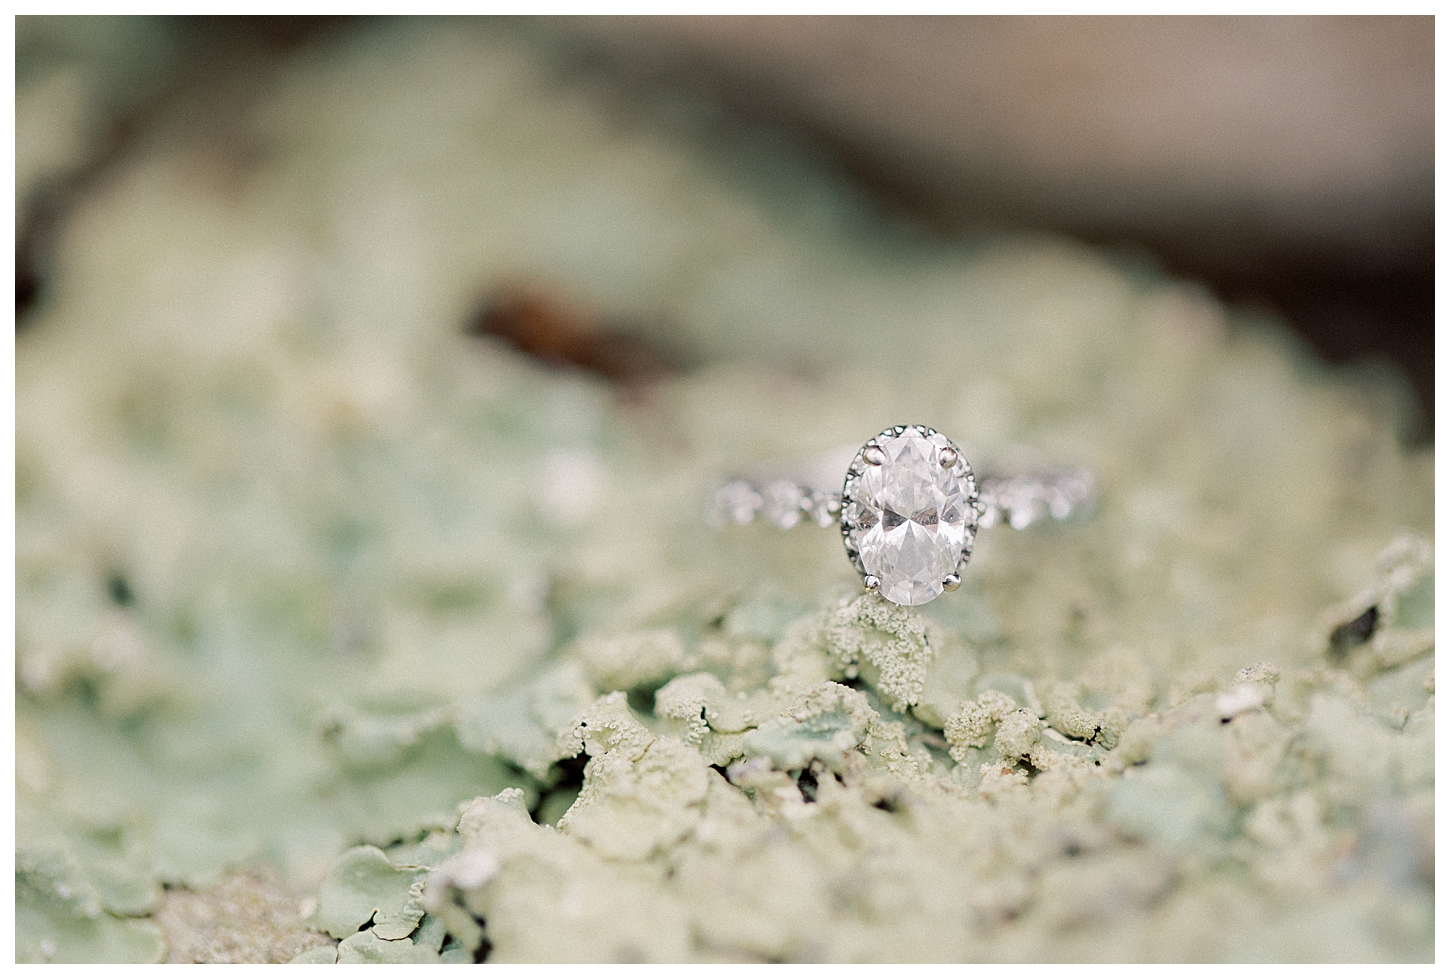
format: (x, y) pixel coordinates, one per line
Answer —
(909, 514)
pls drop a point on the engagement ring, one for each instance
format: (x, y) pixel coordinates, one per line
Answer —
(910, 509)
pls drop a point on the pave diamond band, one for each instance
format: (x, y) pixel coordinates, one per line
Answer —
(909, 510)
(1018, 501)
(739, 501)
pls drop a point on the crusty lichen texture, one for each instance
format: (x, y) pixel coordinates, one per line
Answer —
(312, 580)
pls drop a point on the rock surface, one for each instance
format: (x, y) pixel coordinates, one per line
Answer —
(316, 572)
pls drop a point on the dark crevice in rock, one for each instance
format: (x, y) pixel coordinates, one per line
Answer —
(485, 947)
(119, 590)
(642, 699)
(567, 775)
(570, 772)
(541, 324)
(1355, 632)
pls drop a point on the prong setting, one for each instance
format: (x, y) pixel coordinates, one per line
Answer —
(873, 455)
(948, 457)
(951, 582)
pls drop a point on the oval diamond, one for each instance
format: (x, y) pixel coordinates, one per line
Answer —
(909, 520)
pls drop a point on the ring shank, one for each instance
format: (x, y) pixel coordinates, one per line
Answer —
(1018, 501)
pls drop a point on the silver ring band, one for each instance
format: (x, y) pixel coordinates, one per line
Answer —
(1017, 501)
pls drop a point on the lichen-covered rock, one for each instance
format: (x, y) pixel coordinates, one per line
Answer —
(309, 555)
(364, 885)
(826, 722)
(632, 660)
(61, 919)
(370, 948)
(1017, 732)
(972, 724)
(524, 725)
(633, 806)
(885, 644)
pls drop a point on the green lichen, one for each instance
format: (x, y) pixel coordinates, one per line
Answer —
(689, 699)
(61, 917)
(523, 725)
(641, 793)
(948, 681)
(1017, 733)
(826, 722)
(885, 644)
(972, 724)
(633, 660)
(607, 725)
(703, 703)
(368, 948)
(309, 575)
(363, 886)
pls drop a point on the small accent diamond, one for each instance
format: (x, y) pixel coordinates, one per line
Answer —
(785, 503)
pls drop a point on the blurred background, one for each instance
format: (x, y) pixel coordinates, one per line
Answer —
(1285, 162)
